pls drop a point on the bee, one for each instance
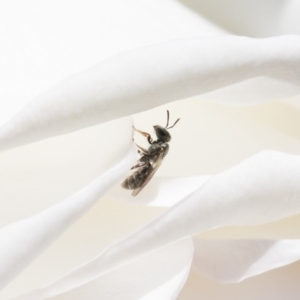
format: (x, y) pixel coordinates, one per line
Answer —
(150, 159)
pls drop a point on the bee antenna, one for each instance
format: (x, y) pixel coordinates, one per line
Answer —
(174, 124)
(168, 115)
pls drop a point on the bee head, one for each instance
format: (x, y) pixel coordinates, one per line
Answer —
(162, 133)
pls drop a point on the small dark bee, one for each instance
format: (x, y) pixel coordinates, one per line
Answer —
(151, 159)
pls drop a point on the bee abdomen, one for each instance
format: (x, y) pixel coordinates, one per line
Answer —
(136, 179)
(132, 182)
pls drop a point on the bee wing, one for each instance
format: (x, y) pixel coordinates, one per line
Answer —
(156, 164)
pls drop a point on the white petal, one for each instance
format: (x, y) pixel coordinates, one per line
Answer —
(289, 21)
(24, 240)
(141, 79)
(254, 91)
(250, 18)
(162, 191)
(159, 275)
(231, 261)
(282, 283)
(42, 64)
(40, 175)
(263, 188)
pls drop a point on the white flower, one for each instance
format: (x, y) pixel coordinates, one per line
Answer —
(158, 245)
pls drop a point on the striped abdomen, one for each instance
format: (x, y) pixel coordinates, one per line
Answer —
(136, 179)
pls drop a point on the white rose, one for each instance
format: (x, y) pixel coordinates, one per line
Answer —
(233, 157)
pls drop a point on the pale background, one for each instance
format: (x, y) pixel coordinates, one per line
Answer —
(43, 42)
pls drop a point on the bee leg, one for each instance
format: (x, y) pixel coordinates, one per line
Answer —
(145, 134)
(142, 150)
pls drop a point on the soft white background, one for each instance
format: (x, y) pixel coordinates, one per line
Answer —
(43, 42)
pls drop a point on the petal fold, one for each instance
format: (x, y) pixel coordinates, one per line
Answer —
(230, 261)
(40, 175)
(162, 191)
(282, 283)
(24, 240)
(158, 276)
(144, 78)
(262, 189)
